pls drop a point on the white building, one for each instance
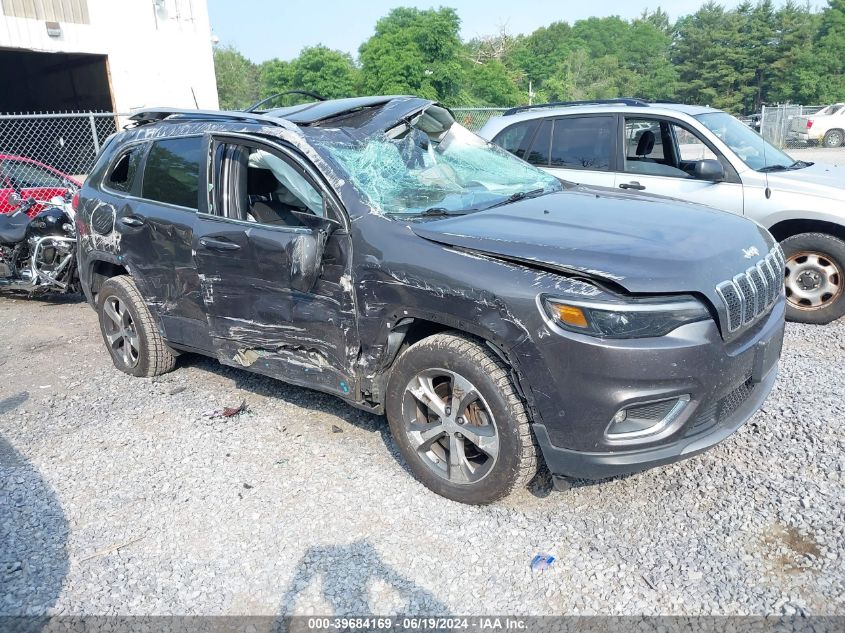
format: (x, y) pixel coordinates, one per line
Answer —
(109, 55)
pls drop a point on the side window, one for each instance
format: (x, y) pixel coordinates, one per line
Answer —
(122, 173)
(172, 170)
(539, 152)
(644, 140)
(691, 147)
(583, 143)
(649, 150)
(256, 185)
(24, 175)
(516, 138)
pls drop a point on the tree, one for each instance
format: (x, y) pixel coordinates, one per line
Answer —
(319, 69)
(276, 75)
(237, 79)
(490, 84)
(538, 56)
(759, 52)
(329, 73)
(710, 53)
(414, 51)
(830, 51)
(659, 19)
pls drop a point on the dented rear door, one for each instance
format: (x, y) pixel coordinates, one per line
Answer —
(276, 296)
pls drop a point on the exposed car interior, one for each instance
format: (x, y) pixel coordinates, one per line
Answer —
(660, 148)
(260, 187)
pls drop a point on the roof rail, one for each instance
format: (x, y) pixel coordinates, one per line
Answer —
(567, 104)
(143, 117)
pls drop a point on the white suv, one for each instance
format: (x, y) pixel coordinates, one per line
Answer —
(702, 155)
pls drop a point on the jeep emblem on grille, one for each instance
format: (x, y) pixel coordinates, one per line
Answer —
(750, 252)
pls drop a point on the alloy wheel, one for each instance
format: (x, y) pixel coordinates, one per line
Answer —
(813, 280)
(450, 426)
(120, 332)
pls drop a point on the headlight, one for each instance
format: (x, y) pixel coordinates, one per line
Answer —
(634, 318)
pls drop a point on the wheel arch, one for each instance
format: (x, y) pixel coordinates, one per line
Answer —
(412, 328)
(101, 269)
(834, 129)
(788, 228)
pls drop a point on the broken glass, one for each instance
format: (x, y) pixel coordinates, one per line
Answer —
(434, 163)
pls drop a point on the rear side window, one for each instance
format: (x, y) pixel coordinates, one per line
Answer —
(583, 143)
(516, 138)
(539, 152)
(172, 171)
(24, 175)
(122, 173)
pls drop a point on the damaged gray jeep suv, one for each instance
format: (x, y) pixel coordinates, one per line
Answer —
(375, 249)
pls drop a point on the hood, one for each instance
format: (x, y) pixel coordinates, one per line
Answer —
(643, 244)
(827, 181)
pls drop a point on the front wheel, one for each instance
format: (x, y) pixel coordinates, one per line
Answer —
(129, 332)
(458, 420)
(814, 279)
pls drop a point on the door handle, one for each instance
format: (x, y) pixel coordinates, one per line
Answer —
(632, 185)
(131, 220)
(218, 245)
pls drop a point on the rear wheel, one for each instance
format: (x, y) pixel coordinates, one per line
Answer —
(814, 278)
(458, 421)
(834, 138)
(129, 332)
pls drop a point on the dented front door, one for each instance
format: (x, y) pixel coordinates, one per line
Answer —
(275, 296)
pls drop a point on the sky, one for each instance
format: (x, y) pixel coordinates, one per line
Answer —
(264, 29)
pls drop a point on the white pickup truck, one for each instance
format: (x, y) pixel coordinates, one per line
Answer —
(826, 126)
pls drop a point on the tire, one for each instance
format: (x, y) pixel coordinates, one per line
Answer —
(834, 138)
(146, 353)
(814, 258)
(493, 409)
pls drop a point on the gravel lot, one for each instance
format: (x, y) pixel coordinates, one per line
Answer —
(835, 156)
(122, 496)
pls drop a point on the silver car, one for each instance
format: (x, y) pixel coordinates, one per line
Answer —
(702, 155)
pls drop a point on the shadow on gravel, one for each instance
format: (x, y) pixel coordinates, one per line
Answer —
(33, 534)
(348, 577)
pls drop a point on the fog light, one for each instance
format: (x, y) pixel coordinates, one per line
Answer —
(646, 419)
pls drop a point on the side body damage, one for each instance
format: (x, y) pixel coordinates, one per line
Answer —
(331, 299)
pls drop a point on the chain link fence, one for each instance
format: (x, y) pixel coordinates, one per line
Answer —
(67, 141)
(785, 125)
(475, 118)
(70, 141)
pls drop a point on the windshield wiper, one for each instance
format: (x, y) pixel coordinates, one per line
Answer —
(769, 168)
(800, 164)
(433, 212)
(516, 197)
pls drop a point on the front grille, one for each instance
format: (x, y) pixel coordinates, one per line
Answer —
(718, 411)
(751, 294)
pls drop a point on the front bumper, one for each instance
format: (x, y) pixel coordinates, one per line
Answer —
(584, 465)
(591, 379)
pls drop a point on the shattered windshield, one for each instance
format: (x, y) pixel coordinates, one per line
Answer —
(435, 166)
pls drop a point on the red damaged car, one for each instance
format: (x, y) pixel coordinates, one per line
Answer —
(31, 179)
